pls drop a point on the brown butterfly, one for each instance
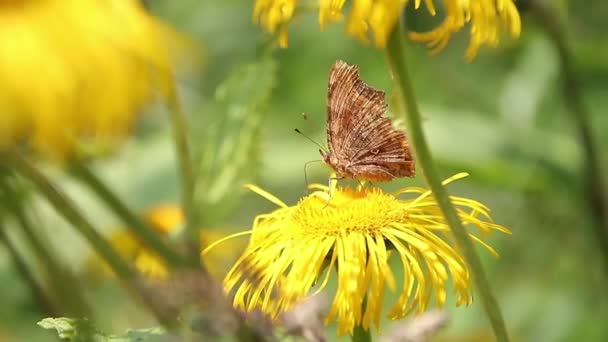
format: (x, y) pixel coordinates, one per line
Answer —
(363, 144)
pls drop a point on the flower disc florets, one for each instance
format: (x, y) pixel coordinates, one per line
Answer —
(347, 211)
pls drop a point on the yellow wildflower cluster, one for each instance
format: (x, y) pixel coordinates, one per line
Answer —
(486, 19)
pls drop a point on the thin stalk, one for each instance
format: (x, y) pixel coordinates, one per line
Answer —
(46, 306)
(361, 335)
(408, 109)
(132, 221)
(68, 209)
(595, 193)
(191, 236)
(188, 183)
(62, 282)
(187, 178)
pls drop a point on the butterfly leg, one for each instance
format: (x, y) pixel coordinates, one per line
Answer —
(362, 183)
(333, 182)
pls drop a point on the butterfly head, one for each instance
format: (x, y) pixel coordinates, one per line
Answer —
(325, 155)
(331, 160)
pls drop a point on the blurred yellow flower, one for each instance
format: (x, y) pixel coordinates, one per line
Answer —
(295, 249)
(150, 264)
(274, 15)
(486, 19)
(80, 71)
(165, 219)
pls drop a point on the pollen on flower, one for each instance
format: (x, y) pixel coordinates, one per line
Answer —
(347, 211)
(349, 232)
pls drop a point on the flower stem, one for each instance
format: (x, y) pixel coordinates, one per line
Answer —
(595, 195)
(67, 209)
(187, 179)
(361, 335)
(46, 306)
(408, 108)
(132, 221)
(62, 282)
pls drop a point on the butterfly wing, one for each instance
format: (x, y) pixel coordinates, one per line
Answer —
(342, 94)
(359, 135)
(383, 154)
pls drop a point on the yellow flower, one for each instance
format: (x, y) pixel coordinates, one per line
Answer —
(295, 249)
(80, 71)
(274, 15)
(151, 265)
(166, 220)
(486, 19)
(330, 11)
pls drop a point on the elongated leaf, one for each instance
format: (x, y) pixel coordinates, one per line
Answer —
(229, 137)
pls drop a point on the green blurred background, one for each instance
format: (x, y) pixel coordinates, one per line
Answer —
(502, 118)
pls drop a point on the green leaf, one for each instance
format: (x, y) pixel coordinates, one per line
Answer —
(72, 329)
(148, 334)
(228, 151)
(249, 84)
(81, 329)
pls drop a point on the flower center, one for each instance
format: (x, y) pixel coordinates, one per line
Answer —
(348, 211)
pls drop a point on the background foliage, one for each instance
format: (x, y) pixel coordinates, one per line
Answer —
(501, 118)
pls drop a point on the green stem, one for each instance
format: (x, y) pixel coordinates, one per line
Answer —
(361, 335)
(132, 221)
(46, 306)
(595, 193)
(187, 179)
(67, 209)
(408, 108)
(62, 282)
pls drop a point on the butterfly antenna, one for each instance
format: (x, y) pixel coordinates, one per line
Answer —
(324, 149)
